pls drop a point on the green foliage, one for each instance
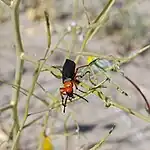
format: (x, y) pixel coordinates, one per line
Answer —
(92, 85)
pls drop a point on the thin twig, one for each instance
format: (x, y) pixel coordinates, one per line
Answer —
(5, 108)
(139, 90)
(101, 142)
(36, 74)
(86, 12)
(32, 122)
(7, 2)
(100, 20)
(24, 91)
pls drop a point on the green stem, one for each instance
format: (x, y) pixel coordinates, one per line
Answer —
(37, 71)
(6, 2)
(44, 129)
(19, 63)
(24, 91)
(32, 122)
(5, 108)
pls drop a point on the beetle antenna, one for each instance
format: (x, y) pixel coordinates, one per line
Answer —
(144, 97)
(65, 104)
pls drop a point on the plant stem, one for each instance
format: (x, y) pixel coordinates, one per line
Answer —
(6, 2)
(19, 63)
(26, 108)
(5, 108)
(35, 78)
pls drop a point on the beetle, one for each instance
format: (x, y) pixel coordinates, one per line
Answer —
(69, 79)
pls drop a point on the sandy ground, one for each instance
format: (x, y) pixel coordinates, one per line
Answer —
(93, 118)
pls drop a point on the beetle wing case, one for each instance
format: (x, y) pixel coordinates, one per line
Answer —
(68, 70)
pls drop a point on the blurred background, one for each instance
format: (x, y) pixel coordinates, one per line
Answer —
(126, 30)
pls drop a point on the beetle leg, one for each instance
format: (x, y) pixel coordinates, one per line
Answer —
(65, 104)
(81, 97)
(61, 94)
(87, 72)
(78, 88)
(80, 68)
